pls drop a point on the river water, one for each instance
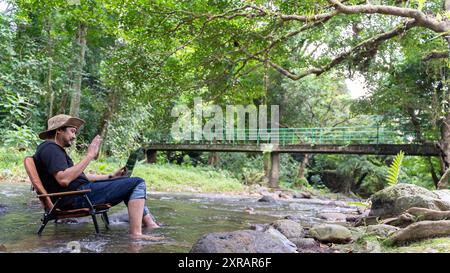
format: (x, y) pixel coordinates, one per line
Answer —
(185, 217)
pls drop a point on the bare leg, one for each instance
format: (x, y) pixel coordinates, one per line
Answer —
(135, 211)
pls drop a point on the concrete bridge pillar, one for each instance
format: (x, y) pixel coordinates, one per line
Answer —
(151, 156)
(274, 169)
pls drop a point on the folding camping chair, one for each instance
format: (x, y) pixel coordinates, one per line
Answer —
(52, 210)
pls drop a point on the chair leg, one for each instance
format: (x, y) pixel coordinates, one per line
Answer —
(105, 219)
(44, 223)
(95, 223)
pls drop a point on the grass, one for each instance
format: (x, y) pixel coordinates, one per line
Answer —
(11, 165)
(440, 245)
(167, 177)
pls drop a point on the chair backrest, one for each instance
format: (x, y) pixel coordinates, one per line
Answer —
(30, 167)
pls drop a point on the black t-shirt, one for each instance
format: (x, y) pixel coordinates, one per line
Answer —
(51, 158)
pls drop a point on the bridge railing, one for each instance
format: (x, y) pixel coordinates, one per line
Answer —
(292, 136)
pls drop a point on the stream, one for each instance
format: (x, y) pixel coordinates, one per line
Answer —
(185, 217)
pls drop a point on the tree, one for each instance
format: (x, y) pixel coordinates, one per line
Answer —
(304, 38)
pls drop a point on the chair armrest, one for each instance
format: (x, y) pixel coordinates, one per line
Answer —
(66, 193)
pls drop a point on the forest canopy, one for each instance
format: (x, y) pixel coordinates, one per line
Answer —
(123, 65)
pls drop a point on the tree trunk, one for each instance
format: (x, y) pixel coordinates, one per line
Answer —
(266, 162)
(62, 104)
(433, 172)
(445, 126)
(107, 115)
(50, 93)
(213, 158)
(78, 75)
(302, 167)
(445, 149)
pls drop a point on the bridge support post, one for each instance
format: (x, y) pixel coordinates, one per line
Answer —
(274, 169)
(150, 156)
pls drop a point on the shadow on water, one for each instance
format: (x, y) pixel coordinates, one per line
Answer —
(185, 218)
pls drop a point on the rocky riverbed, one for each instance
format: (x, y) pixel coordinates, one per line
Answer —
(401, 218)
(259, 221)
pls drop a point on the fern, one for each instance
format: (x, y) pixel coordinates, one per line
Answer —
(394, 169)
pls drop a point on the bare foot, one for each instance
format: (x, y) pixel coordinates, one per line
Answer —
(148, 222)
(146, 237)
(152, 225)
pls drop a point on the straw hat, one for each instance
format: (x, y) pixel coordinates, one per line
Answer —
(59, 121)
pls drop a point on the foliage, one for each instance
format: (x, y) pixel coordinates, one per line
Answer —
(144, 57)
(21, 137)
(187, 179)
(125, 132)
(392, 177)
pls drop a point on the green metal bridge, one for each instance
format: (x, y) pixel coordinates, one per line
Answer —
(335, 140)
(347, 140)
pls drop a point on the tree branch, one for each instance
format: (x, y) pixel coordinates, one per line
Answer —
(435, 55)
(360, 48)
(421, 18)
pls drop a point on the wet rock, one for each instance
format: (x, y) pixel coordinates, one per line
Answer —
(357, 232)
(249, 210)
(297, 218)
(396, 199)
(119, 217)
(70, 221)
(34, 203)
(381, 230)
(353, 218)
(443, 195)
(309, 245)
(258, 227)
(289, 228)
(7, 173)
(267, 199)
(333, 216)
(243, 241)
(302, 195)
(280, 236)
(285, 196)
(366, 221)
(329, 233)
(305, 243)
(3, 209)
(296, 206)
(337, 203)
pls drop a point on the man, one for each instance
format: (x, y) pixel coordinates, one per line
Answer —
(58, 173)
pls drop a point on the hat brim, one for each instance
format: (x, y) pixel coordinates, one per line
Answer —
(71, 122)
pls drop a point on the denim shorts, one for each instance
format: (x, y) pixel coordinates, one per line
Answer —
(111, 191)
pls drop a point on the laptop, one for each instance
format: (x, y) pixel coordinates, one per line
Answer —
(131, 162)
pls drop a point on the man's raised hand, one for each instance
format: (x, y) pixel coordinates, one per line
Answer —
(94, 147)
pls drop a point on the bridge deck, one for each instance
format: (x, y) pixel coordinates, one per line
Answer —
(428, 149)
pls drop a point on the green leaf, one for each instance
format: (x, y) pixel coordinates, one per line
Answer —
(394, 169)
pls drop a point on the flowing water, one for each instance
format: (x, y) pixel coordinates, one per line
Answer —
(185, 218)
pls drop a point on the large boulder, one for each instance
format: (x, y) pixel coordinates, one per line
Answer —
(333, 216)
(395, 200)
(289, 228)
(244, 241)
(268, 199)
(382, 230)
(329, 233)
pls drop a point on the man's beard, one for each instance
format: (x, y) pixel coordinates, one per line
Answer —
(68, 143)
